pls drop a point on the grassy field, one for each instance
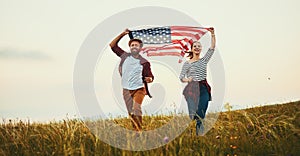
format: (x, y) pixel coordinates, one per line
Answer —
(268, 130)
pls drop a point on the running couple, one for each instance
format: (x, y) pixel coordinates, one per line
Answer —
(136, 74)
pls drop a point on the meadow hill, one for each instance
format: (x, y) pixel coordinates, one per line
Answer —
(268, 130)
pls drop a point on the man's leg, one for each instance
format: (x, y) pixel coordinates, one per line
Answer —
(138, 97)
(127, 96)
(128, 100)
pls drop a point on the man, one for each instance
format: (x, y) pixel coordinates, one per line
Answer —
(136, 73)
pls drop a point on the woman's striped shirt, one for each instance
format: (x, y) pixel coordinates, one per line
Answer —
(197, 69)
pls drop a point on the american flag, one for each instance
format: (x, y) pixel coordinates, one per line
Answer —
(168, 40)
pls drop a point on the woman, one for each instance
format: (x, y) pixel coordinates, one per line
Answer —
(194, 71)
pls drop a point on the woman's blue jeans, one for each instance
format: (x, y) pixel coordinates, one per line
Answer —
(197, 110)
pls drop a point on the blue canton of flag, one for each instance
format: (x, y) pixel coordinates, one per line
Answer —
(158, 35)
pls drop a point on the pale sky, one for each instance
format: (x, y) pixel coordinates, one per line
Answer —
(39, 41)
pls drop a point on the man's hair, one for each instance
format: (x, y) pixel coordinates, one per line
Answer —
(137, 40)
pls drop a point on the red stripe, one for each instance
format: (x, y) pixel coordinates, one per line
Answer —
(186, 40)
(164, 54)
(187, 27)
(197, 36)
(183, 43)
(161, 48)
(184, 34)
(157, 50)
(193, 29)
(177, 46)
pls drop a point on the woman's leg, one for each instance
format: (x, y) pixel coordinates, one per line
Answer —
(202, 107)
(192, 107)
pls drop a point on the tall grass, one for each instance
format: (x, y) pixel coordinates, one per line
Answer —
(269, 130)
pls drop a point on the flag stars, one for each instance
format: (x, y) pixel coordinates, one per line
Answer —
(154, 35)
